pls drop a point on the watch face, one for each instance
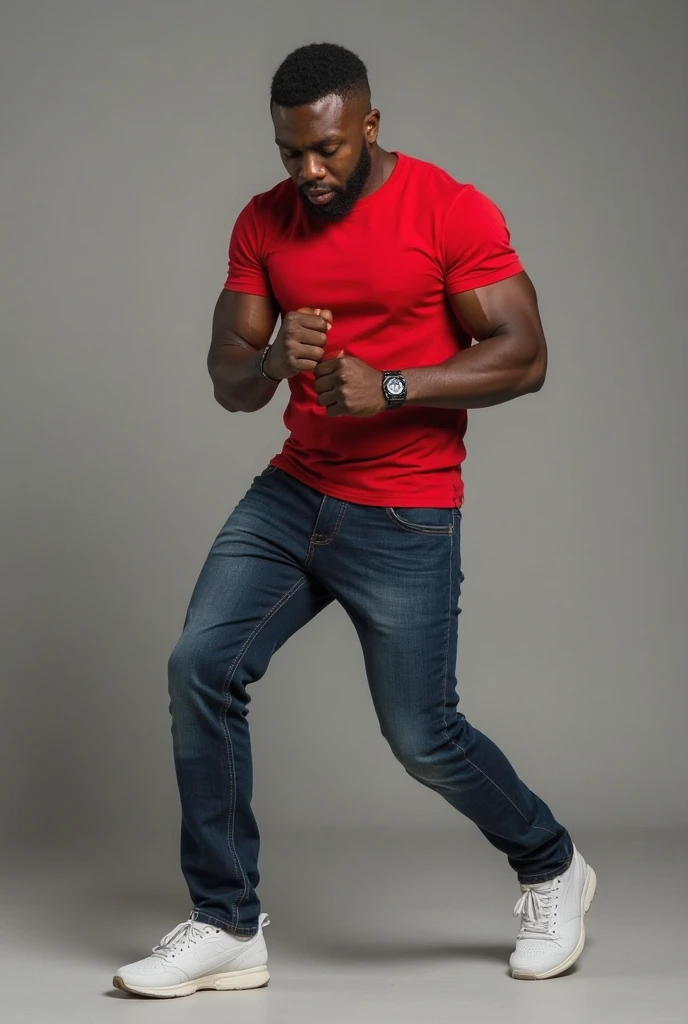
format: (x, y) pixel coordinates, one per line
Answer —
(395, 386)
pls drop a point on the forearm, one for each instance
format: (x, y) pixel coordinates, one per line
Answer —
(486, 374)
(237, 381)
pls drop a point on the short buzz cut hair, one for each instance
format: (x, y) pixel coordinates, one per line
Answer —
(317, 70)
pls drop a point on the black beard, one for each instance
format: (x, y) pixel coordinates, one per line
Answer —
(344, 199)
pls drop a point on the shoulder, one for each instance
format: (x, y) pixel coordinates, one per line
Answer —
(445, 202)
(438, 184)
(270, 207)
(266, 214)
(448, 193)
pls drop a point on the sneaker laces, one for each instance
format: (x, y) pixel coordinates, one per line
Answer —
(182, 937)
(535, 908)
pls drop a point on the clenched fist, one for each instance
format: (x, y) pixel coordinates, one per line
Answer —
(300, 342)
(346, 386)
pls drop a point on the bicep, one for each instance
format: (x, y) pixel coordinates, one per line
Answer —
(507, 308)
(243, 320)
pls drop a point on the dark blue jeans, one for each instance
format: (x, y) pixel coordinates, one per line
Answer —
(284, 554)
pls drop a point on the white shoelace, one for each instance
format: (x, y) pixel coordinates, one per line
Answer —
(535, 908)
(182, 937)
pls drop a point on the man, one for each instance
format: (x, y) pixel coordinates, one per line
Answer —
(383, 269)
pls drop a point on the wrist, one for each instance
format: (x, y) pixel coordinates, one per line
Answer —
(265, 370)
(394, 388)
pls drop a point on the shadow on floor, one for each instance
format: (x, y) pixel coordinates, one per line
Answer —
(380, 951)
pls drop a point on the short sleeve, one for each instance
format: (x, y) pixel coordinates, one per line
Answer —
(245, 270)
(477, 248)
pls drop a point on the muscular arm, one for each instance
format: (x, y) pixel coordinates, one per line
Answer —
(242, 327)
(510, 359)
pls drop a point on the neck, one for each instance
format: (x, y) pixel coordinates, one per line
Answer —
(382, 166)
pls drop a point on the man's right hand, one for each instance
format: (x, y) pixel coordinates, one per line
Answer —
(300, 342)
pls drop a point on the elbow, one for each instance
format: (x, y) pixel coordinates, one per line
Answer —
(537, 375)
(235, 404)
(219, 395)
(224, 401)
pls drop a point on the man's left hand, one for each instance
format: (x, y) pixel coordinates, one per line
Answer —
(347, 386)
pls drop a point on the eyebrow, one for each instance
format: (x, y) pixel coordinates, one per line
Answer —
(329, 140)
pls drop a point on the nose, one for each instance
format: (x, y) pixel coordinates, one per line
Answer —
(311, 170)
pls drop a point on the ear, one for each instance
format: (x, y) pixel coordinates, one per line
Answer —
(371, 126)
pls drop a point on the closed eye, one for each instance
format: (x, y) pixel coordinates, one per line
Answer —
(291, 154)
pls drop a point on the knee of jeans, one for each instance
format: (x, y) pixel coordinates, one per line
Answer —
(201, 672)
(416, 756)
(197, 688)
(179, 666)
(426, 757)
(191, 668)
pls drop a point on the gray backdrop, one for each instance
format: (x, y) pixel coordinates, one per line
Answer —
(131, 136)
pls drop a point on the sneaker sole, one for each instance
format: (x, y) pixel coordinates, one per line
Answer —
(586, 899)
(255, 977)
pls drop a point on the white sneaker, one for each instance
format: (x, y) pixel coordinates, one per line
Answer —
(552, 933)
(197, 955)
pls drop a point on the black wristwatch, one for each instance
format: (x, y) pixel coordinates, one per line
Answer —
(393, 388)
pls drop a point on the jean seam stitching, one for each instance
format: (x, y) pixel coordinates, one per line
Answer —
(323, 539)
(546, 876)
(458, 746)
(313, 539)
(446, 643)
(340, 517)
(211, 919)
(445, 733)
(412, 528)
(227, 696)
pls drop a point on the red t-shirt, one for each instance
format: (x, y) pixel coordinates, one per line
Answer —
(386, 271)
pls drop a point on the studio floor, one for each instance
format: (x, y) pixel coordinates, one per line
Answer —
(368, 927)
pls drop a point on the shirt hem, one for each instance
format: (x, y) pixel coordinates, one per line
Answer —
(482, 281)
(356, 498)
(247, 289)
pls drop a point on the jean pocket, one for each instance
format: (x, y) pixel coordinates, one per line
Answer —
(433, 521)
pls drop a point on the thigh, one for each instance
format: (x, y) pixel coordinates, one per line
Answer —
(253, 591)
(398, 575)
